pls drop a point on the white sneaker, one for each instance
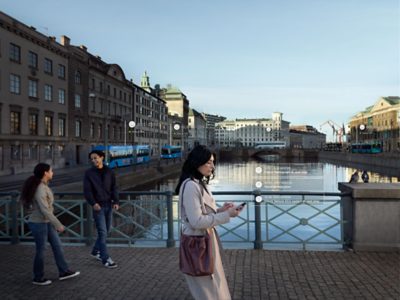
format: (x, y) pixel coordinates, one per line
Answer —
(110, 264)
(96, 256)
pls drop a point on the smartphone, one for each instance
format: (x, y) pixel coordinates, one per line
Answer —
(240, 206)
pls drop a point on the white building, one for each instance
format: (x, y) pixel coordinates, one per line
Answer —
(269, 133)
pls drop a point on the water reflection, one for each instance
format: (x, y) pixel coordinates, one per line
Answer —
(286, 219)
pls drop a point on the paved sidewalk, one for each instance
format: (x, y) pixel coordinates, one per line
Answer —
(152, 273)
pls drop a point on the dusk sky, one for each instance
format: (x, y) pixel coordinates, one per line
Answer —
(312, 60)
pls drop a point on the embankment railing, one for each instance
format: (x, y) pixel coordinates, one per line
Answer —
(269, 220)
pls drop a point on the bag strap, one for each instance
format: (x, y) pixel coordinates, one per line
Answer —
(181, 199)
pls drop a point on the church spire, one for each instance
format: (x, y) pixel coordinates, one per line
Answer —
(145, 82)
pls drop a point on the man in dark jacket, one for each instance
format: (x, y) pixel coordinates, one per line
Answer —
(101, 193)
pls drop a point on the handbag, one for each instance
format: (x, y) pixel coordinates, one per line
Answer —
(195, 253)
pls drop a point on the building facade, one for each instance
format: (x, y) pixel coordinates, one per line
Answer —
(211, 120)
(378, 124)
(306, 137)
(197, 129)
(253, 132)
(178, 111)
(33, 98)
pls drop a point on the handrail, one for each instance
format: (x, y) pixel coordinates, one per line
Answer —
(152, 217)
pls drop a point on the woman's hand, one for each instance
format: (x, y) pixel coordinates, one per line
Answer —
(60, 229)
(226, 206)
(233, 211)
(97, 207)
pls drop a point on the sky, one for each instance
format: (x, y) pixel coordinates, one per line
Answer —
(312, 60)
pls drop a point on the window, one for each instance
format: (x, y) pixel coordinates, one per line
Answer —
(48, 66)
(32, 59)
(61, 96)
(61, 150)
(100, 131)
(93, 104)
(15, 152)
(93, 84)
(92, 130)
(33, 152)
(77, 101)
(15, 53)
(101, 86)
(61, 71)
(61, 127)
(48, 92)
(33, 124)
(48, 151)
(15, 84)
(48, 125)
(15, 122)
(33, 88)
(77, 128)
(78, 77)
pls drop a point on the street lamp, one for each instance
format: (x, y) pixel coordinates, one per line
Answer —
(132, 125)
(359, 127)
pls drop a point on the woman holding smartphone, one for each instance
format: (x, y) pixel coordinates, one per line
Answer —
(37, 196)
(200, 213)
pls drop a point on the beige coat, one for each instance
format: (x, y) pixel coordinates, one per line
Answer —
(42, 206)
(199, 213)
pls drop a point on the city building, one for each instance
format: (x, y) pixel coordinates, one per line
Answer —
(58, 100)
(100, 103)
(378, 124)
(269, 133)
(211, 120)
(197, 129)
(306, 137)
(151, 117)
(33, 98)
(178, 109)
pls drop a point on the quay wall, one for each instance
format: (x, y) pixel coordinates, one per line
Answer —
(137, 175)
(387, 160)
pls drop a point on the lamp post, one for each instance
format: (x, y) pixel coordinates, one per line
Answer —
(132, 125)
(359, 127)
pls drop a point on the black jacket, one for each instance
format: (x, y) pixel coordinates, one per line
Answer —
(99, 186)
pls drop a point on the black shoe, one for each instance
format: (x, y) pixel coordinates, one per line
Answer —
(42, 281)
(68, 274)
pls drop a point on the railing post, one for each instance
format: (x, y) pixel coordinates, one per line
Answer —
(89, 224)
(170, 220)
(257, 218)
(14, 218)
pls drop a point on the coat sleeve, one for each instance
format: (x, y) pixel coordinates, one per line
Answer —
(192, 203)
(44, 206)
(114, 189)
(88, 190)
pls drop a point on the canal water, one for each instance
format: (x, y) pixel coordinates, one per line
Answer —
(273, 174)
(287, 221)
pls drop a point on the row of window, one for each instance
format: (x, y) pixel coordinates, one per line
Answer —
(33, 90)
(33, 124)
(33, 151)
(33, 61)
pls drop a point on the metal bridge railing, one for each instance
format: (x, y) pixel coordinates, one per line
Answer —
(269, 220)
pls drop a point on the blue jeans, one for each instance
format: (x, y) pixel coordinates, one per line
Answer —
(102, 219)
(43, 232)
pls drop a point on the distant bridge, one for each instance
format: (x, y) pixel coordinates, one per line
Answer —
(252, 152)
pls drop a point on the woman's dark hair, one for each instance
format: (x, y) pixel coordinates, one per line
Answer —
(31, 184)
(196, 158)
